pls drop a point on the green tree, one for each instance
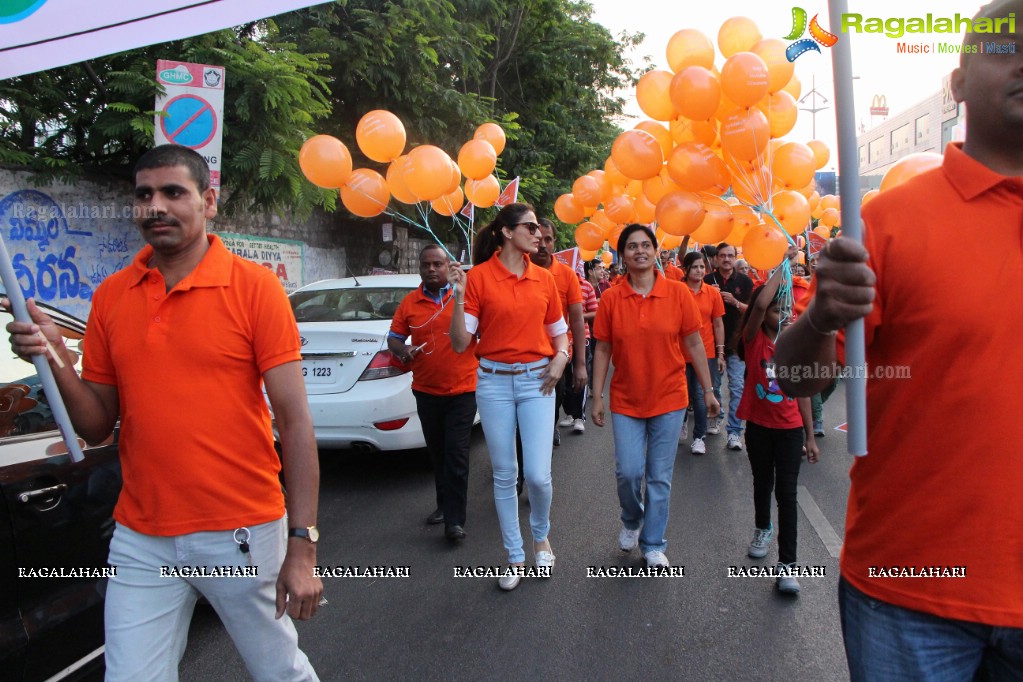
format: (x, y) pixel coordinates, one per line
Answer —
(97, 116)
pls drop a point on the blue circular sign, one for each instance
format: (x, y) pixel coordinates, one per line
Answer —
(189, 120)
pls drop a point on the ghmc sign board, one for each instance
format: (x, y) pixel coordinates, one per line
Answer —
(191, 110)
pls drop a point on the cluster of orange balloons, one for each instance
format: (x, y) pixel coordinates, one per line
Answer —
(425, 173)
(711, 130)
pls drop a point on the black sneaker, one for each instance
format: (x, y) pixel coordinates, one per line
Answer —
(557, 438)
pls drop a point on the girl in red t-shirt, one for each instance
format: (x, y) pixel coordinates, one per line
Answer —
(779, 430)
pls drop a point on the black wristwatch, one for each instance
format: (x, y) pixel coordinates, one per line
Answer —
(311, 533)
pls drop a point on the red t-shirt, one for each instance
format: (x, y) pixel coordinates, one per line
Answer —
(762, 402)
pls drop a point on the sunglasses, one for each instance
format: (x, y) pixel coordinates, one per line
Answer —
(532, 227)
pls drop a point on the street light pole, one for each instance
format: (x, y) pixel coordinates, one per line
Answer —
(813, 108)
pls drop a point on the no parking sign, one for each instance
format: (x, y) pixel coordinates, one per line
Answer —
(191, 112)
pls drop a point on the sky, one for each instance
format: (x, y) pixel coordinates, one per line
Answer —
(904, 79)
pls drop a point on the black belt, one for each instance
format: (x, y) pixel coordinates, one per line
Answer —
(508, 372)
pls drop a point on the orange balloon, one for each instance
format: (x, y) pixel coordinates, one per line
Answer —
(483, 193)
(601, 220)
(587, 254)
(634, 189)
(695, 93)
(477, 159)
(588, 211)
(792, 210)
(679, 213)
(449, 204)
(781, 112)
(396, 184)
(743, 220)
(689, 47)
(620, 209)
(612, 174)
(822, 231)
(718, 222)
(656, 187)
(605, 186)
(725, 107)
(615, 234)
(652, 95)
(820, 151)
(325, 161)
(589, 236)
(645, 212)
(737, 34)
(607, 258)
(745, 134)
(744, 79)
(704, 132)
(868, 196)
(366, 193)
(456, 178)
(764, 246)
(829, 201)
(793, 87)
(808, 190)
(380, 135)
(793, 165)
(568, 209)
(662, 134)
(492, 133)
(829, 217)
(637, 154)
(695, 168)
(814, 199)
(427, 172)
(779, 68)
(909, 166)
(586, 190)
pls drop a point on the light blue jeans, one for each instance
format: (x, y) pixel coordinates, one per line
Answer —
(736, 369)
(502, 401)
(697, 405)
(645, 450)
(148, 614)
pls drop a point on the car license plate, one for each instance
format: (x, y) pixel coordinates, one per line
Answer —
(320, 371)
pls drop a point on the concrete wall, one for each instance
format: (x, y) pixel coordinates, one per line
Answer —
(65, 239)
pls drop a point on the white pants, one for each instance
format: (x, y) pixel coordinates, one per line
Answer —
(148, 614)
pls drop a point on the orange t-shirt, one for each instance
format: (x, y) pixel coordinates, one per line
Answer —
(569, 291)
(197, 452)
(437, 369)
(711, 306)
(674, 273)
(645, 333)
(515, 316)
(936, 488)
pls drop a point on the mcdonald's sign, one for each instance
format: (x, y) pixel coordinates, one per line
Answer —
(879, 106)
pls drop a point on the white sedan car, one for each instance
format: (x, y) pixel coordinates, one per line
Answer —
(359, 393)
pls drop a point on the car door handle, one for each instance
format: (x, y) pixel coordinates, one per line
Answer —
(42, 493)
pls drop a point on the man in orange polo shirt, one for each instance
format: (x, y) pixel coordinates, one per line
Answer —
(179, 344)
(569, 392)
(671, 271)
(443, 382)
(932, 560)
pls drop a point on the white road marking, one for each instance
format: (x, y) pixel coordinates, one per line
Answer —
(820, 523)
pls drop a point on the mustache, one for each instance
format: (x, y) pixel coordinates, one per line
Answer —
(160, 220)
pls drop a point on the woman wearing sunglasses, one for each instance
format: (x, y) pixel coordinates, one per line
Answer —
(514, 307)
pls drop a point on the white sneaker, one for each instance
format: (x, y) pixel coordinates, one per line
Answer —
(566, 420)
(712, 427)
(698, 447)
(787, 584)
(684, 433)
(761, 538)
(734, 443)
(628, 540)
(578, 426)
(656, 558)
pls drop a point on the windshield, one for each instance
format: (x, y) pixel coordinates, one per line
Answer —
(356, 303)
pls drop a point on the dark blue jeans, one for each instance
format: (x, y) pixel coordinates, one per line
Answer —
(890, 643)
(696, 402)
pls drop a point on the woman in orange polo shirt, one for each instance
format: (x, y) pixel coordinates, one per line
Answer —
(712, 333)
(515, 308)
(642, 326)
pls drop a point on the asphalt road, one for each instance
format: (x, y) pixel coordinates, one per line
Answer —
(433, 626)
